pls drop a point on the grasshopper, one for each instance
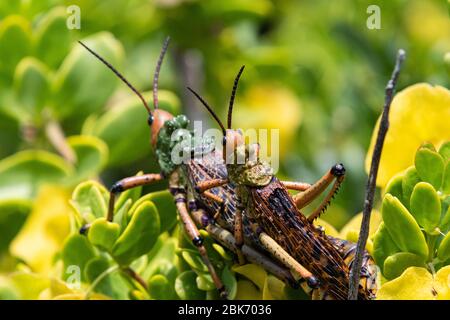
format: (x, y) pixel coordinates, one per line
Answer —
(275, 217)
(193, 208)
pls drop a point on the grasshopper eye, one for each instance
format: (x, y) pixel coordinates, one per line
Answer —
(224, 141)
(150, 119)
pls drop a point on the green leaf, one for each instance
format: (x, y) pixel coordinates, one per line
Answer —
(88, 199)
(204, 282)
(163, 201)
(394, 186)
(77, 251)
(383, 246)
(194, 260)
(446, 178)
(443, 252)
(23, 173)
(113, 285)
(445, 223)
(426, 206)
(230, 283)
(52, 32)
(7, 290)
(395, 264)
(410, 179)
(15, 41)
(402, 227)
(91, 153)
(161, 254)
(430, 166)
(103, 233)
(139, 236)
(444, 150)
(75, 93)
(160, 288)
(13, 214)
(186, 287)
(31, 86)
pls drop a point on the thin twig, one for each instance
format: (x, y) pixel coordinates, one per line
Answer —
(97, 280)
(57, 138)
(133, 274)
(370, 187)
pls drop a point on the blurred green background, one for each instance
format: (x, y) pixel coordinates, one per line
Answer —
(313, 69)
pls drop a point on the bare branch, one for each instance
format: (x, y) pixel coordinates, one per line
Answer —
(370, 187)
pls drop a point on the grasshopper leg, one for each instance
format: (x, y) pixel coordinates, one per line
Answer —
(239, 231)
(285, 258)
(298, 186)
(122, 185)
(209, 184)
(191, 229)
(226, 238)
(129, 183)
(302, 199)
(217, 199)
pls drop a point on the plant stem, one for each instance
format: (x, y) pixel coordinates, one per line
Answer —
(98, 279)
(130, 272)
(57, 138)
(370, 187)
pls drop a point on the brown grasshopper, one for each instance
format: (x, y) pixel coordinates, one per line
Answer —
(275, 217)
(192, 207)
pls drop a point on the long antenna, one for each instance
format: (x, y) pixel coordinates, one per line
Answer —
(233, 94)
(156, 75)
(210, 110)
(118, 74)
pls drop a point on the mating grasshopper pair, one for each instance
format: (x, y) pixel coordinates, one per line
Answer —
(204, 197)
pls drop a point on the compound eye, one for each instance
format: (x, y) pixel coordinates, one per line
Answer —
(224, 140)
(150, 119)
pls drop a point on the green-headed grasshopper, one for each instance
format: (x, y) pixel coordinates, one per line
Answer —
(191, 205)
(275, 217)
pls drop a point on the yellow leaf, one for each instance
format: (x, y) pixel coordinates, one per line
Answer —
(29, 285)
(329, 229)
(354, 225)
(442, 283)
(257, 107)
(414, 284)
(246, 290)
(45, 229)
(419, 113)
(252, 272)
(417, 283)
(273, 289)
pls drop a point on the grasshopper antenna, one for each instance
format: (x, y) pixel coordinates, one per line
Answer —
(233, 94)
(210, 110)
(355, 272)
(156, 75)
(118, 74)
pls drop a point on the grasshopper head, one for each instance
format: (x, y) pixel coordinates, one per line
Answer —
(243, 164)
(156, 121)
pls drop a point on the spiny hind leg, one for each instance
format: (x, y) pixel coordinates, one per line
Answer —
(226, 238)
(122, 185)
(285, 258)
(302, 199)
